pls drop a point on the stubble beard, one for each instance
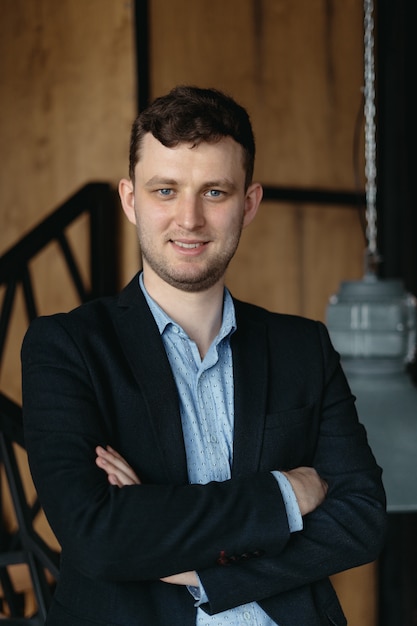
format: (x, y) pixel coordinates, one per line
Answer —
(191, 279)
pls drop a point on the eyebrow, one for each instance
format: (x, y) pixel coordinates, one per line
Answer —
(221, 182)
(159, 180)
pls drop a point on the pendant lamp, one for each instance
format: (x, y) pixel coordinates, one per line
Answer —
(372, 323)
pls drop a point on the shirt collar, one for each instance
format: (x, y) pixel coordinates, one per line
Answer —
(163, 320)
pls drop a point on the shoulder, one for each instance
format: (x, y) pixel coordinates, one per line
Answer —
(84, 317)
(89, 320)
(254, 313)
(284, 329)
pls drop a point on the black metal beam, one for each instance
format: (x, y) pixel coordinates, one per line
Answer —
(142, 35)
(299, 195)
(14, 260)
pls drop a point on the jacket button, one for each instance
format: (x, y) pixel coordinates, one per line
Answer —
(223, 559)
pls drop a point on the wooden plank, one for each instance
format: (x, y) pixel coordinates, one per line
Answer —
(297, 66)
(68, 99)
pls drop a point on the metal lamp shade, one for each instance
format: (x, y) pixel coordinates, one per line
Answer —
(372, 324)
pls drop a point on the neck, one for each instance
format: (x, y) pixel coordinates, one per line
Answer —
(198, 313)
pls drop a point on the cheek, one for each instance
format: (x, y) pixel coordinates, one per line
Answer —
(228, 218)
(235, 222)
(152, 218)
(152, 229)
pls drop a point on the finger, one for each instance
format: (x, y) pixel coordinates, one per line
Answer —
(113, 480)
(110, 454)
(116, 473)
(115, 453)
(111, 458)
(124, 473)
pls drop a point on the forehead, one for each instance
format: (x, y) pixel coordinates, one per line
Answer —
(220, 158)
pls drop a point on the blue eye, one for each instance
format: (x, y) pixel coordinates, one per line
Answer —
(165, 192)
(214, 193)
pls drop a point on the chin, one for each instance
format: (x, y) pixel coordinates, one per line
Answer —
(194, 284)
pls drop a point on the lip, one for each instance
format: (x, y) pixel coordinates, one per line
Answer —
(189, 247)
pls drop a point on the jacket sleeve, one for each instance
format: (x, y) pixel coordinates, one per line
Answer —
(140, 532)
(346, 531)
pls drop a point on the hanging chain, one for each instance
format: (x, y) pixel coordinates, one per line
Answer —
(370, 130)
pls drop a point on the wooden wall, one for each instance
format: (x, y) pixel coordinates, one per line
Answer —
(297, 66)
(68, 94)
(68, 97)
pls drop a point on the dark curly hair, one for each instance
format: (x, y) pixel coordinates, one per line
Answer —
(192, 115)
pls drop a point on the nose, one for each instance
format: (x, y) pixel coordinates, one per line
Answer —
(190, 213)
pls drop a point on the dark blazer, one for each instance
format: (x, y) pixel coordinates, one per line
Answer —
(100, 375)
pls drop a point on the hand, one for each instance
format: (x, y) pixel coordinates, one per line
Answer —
(119, 472)
(309, 488)
(186, 578)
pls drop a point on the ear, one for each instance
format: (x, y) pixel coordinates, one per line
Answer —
(253, 199)
(127, 197)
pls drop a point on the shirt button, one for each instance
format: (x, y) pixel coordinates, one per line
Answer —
(246, 616)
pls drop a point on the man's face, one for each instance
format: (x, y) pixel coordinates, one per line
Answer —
(189, 205)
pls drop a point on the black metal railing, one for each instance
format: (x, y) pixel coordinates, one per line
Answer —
(25, 545)
(96, 199)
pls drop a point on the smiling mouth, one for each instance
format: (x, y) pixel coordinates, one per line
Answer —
(189, 246)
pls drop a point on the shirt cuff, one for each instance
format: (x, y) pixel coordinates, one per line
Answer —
(295, 520)
(198, 593)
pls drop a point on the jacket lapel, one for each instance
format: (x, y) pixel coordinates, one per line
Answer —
(141, 342)
(144, 350)
(250, 367)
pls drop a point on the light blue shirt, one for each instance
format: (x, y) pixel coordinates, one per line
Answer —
(205, 389)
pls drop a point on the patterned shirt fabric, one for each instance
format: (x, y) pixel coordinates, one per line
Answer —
(205, 388)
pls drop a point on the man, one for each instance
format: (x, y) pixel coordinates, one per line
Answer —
(237, 477)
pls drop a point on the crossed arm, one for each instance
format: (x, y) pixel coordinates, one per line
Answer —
(69, 408)
(309, 488)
